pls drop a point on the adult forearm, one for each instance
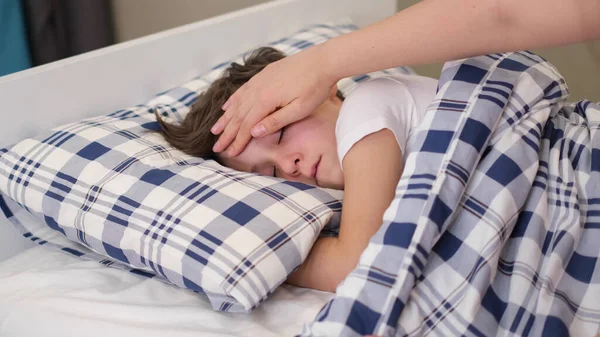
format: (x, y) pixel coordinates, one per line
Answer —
(442, 30)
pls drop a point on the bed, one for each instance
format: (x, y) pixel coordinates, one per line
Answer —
(41, 91)
(38, 296)
(493, 230)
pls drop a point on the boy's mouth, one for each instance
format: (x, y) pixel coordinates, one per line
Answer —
(315, 170)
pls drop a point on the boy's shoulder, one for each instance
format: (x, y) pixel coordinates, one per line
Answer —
(373, 99)
(386, 95)
(375, 85)
(373, 95)
(384, 85)
(380, 103)
(389, 102)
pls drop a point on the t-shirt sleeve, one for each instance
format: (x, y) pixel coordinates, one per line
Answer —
(381, 103)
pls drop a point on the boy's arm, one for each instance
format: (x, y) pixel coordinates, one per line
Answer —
(372, 169)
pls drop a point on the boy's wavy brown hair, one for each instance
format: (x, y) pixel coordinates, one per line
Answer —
(193, 135)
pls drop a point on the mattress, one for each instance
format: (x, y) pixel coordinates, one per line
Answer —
(44, 292)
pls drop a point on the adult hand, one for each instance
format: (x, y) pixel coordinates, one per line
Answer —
(295, 85)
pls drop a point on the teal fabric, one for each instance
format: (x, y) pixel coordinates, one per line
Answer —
(14, 53)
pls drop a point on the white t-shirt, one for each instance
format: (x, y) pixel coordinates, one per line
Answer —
(396, 103)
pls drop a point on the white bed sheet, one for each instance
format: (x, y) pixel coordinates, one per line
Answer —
(44, 292)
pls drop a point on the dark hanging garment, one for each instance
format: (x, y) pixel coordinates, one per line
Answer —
(61, 28)
(14, 54)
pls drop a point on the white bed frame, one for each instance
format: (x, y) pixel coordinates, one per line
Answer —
(128, 73)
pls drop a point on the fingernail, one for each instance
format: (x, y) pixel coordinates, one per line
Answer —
(259, 131)
(216, 147)
(225, 106)
(215, 129)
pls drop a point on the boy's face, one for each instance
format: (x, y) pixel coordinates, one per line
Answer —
(306, 151)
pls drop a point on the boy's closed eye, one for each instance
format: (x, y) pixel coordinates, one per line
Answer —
(278, 142)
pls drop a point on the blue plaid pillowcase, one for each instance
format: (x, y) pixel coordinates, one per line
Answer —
(113, 184)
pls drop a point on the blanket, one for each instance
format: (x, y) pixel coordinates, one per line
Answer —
(495, 227)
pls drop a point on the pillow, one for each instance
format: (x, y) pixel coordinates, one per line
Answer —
(113, 185)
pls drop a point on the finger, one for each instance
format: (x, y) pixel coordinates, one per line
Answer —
(220, 124)
(239, 143)
(234, 97)
(227, 103)
(257, 109)
(280, 118)
(243, 136)
(227, 136)
(230, 130)
(232, 101)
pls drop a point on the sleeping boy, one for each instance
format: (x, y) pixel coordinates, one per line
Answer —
(354, 144)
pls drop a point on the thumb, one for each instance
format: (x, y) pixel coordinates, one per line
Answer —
(278, 119)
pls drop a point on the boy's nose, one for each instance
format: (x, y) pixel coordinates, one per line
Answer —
(292, 165)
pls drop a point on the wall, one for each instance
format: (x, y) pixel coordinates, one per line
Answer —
(135, 18)
(580, 63)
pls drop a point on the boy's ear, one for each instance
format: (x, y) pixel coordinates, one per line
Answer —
(333, 92)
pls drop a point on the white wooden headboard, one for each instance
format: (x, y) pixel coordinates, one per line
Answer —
(128, 73)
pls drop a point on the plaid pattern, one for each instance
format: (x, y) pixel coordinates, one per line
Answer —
(495, 226)
(113, 185)
(119, 189)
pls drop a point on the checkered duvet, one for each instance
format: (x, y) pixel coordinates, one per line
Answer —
(495, 228)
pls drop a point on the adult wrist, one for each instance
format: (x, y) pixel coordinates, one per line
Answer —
(330, 65)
